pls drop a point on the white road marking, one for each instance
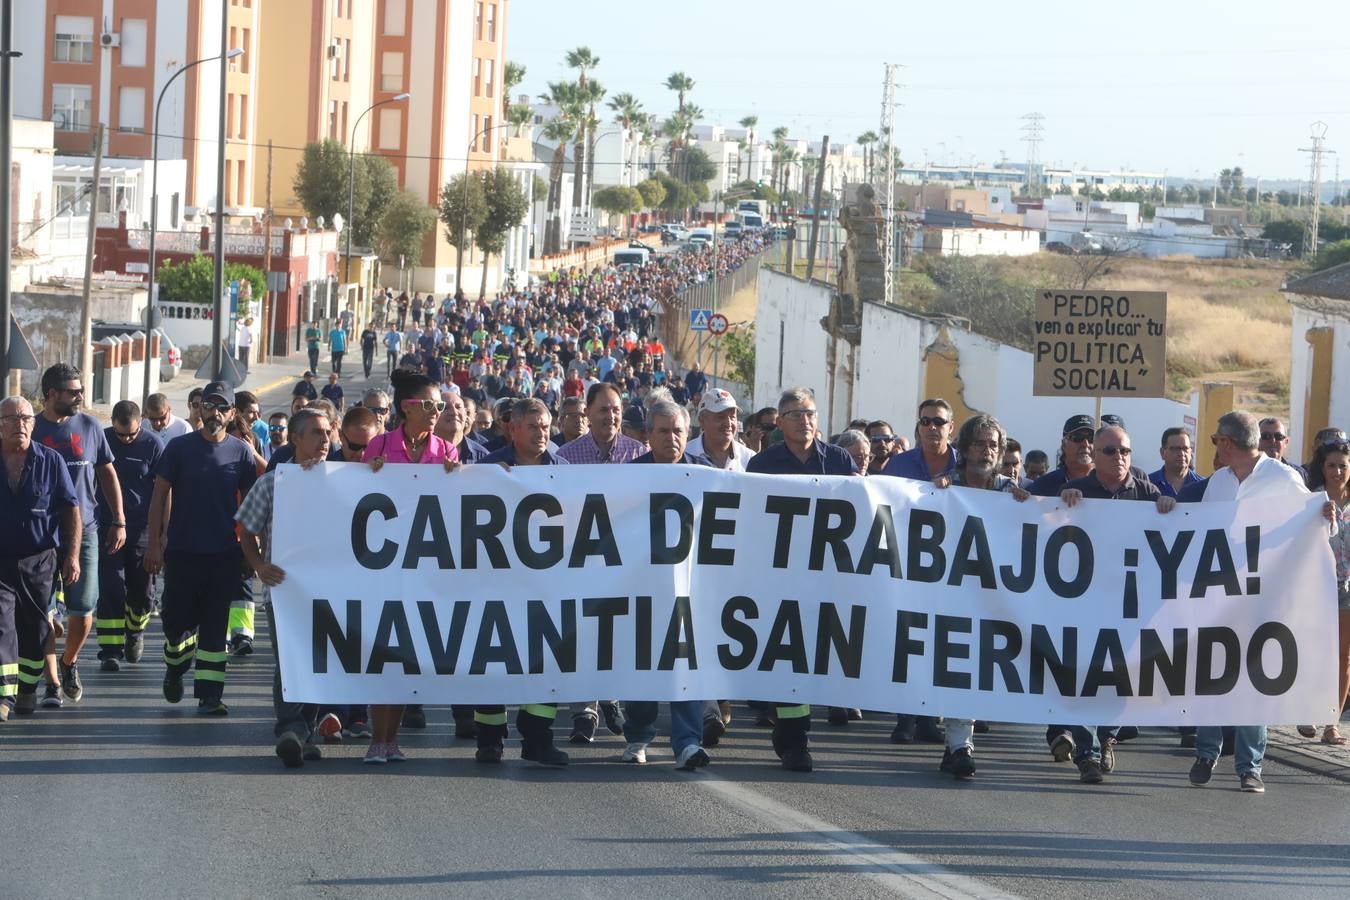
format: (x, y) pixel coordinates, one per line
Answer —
(902, 873)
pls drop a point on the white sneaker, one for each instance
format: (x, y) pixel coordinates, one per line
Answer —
(635, 753)
(692, 757)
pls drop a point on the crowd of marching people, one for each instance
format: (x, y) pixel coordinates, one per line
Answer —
(105, 521)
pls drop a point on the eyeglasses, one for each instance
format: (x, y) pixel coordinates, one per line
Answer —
(219, 406)
(934, 421)
(17, 419)
(883, 439)
(1273, 436)
(379, 410)
(426, 405)
(1115, 451)
(353, 446)
(276, 429)
(1080, 437)
(797, 414)
(160, 420)
(127, 436)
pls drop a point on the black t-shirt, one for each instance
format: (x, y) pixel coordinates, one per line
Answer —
(368, 340)
(208, 480)
(1132, 489)
(135, 466)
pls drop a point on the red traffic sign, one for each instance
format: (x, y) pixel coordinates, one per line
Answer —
(718, 324)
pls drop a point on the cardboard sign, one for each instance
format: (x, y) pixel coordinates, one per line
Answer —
(1100, 344)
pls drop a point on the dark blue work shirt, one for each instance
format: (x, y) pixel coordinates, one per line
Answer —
(1051, 483)
(1132, 489)
(684, 460)
(135, 466)
(470, 451)
(286, 454)
(208, 480)
(826, 459)
(911, 464)
(30, 515)
(1193, 492)
(80, 441)
(507, 455)
(1159, 479)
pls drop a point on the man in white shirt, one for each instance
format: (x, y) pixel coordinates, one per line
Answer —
(160, 419)
(716, 444)
(243, 341)
(1247, 474)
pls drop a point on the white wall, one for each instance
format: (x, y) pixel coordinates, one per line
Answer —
(30, 37)
(889, 380)
(1300, 373)
(981, 242)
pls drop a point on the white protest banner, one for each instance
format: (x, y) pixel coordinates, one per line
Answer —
(652, 582)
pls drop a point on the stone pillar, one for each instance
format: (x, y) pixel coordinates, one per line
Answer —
(1216, 399)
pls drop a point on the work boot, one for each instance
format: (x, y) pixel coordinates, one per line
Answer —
(536, 740)
(904, 730)
(135, 646)
(491, 740)
(414, 716)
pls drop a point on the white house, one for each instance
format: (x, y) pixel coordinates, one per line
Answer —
(1319, 366)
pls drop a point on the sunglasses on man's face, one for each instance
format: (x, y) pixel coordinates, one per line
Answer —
(883, 439)
(355, 447)
(1080, 437)
(1115, 451)
(1273, 437)
(934, 421)
(219, 406)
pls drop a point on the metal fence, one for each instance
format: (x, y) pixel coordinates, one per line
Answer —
(675, 334)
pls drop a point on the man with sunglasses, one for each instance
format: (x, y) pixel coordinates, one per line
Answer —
(123, 583)
(1075, 457)
(886, 444)
(1275, 443)
(278, 434)
(200, 479)
(161, 421)
(1112, 478)
(377, 401)
(79, 438)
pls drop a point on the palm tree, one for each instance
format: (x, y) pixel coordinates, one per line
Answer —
(583, 60)
(513, 73)
(560, 130)
(681, 84)
(749, 123)
(866, 140)
(520, 115)
(627, 114)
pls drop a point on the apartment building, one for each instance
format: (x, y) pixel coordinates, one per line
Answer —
(87, 62)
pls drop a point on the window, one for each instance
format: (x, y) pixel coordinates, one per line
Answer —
(229, 114)
(487, 134)
(131, 109)
(391, 71)
(476, 125)
(247, 48)
(391, 129)
(346, 59)
(229, 182)
(477, 77)
(492, 22)
(487, 81)
(478, 21)
(242, 130)
(344, 121)
(133, 43)
(74, 39)
(395, 11)
(241, 182)
(332, 119)
(234, 42)
(70, 107)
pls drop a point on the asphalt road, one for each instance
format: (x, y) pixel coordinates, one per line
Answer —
(124, 795)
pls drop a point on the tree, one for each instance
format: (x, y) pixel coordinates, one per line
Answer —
(560, 130)
(404, 226)
(463, 209)
(520, 116)
(321, 186)
(653, 193)
(513, 73)
(681, 84)
(506, 207)
(194, 279)
(679, 196)
(750, 123)
(866, 140)
(1285, 231)
(628, 115)
(540, 188)
(698, 167)
(739, 347)
(618, 200)
(1332, 255)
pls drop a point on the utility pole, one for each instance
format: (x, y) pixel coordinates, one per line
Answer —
(269, 302)
(7, 55)
(815, 204)
(86, 310)
(217, 300)
(886, 191)
(1318, 150)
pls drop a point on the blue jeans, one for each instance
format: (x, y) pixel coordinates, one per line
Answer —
(1249, 746)
(686, 723)
(1087, 742)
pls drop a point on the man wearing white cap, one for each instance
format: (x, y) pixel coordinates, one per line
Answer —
(716, 444)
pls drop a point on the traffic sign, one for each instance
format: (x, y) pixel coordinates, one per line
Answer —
(718, 324)
(698, 319)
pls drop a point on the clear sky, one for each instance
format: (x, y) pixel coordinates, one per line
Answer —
(1187, 86)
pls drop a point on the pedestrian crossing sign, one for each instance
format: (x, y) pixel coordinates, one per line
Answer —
(698, 319)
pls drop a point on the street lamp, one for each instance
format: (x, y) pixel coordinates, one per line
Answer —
(154, 202)
(351, 171)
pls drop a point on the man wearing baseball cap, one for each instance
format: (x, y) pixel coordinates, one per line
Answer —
(1075, 457)
(201, 476)
(716, 444)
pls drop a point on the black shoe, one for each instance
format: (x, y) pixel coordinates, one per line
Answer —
(1188, 741)
(797, 760)
(613, 714)
(928, 732)
(1126, 733)
(26, 703)
(414, 717)
(713, 729)
(546, 754)
(241, 645)
(51, 699)
(173, 687)
(491, 754)
(1109, 755)
(958, 762)
(1090, 771)
(763, 720)
(583, 728)
(135, 646)
(110, 664)
(1251, 783)
(311, 753)
(466, 729)
(214, 707)
(1061, 748)
(290, 751)
(1202, 770)
(70, 680)
(981, 726)
(903, 732)
(838, 716)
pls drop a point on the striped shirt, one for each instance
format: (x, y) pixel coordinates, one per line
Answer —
(584, 450)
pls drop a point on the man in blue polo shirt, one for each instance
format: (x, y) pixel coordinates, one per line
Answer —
(37, 500)
(123, 583)
(79, 438)
(799, 453)
(1178, 457)
(933, 454)
(1075, 457)
(201, 476)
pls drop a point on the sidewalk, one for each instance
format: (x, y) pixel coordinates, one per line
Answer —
(273, 380)
(1290, 747)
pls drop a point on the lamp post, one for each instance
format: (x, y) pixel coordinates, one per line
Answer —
(154, 201)
(351, 171)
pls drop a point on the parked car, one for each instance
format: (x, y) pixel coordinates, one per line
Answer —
(1060, 247)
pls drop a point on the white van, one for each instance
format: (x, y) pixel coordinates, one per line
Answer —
(631, 258)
